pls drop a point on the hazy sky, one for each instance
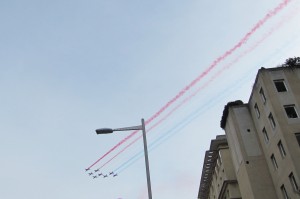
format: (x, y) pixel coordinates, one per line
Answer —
(70, 67)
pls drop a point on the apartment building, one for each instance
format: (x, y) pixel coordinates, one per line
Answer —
(263, 142)
(218, 175)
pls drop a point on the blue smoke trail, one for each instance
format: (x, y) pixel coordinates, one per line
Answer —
(175, 129)
(206, 106)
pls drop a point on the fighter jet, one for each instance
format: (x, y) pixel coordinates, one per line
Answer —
(110, 173)
(115, 175)
(87, 169)
(95, 177)
(105, 176)
(96, 170)
(91, 173)
(100, 174)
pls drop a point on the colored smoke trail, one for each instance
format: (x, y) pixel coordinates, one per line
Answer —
(225, 55)
(241, 55)
(126, 147)
(216, 75)
(221, 58)
(289, 44)
(112, 149)
(176, 128)
(278, 25)
(161, 120)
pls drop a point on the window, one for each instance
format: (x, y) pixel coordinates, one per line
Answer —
(220, 157)
(216, 171)
(274, 162)
(266, 137)
(257, 110)
(291, 111)
(262, 94)
(293, 182)
(280, 85)
(218, 163)
(284, 193)
(272, 121)
(281, 149)
(298, 137)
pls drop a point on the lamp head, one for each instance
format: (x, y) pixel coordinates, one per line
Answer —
(104, 131)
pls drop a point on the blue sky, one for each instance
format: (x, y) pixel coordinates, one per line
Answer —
(69, 67)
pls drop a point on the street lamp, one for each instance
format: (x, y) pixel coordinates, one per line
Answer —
(141, 127)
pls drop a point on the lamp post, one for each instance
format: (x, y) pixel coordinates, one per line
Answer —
(141, 127)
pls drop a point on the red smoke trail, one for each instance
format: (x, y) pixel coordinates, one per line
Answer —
(284, 20)
(221, 58)
(131, 143)
(244, 53)
(269, 33)
(112, 149)
(136, 139)
(261, 22)
(227, 66)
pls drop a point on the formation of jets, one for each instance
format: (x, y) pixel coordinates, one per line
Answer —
(95, 175)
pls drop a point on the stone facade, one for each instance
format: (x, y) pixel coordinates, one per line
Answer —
(260, 154)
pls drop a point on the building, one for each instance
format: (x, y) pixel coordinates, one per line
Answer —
(218, 175)
(259, 157)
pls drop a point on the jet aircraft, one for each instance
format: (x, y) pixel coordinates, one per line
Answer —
(95, 177)
(91, 173)
(110, 173)
(115, 175)
(105, 176)
(96, 170)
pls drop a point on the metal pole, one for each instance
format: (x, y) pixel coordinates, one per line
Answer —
(146, 160)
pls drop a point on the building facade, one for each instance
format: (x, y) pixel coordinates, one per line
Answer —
(263, 142)
(218, 178)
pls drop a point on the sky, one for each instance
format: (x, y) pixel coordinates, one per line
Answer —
(70, 67)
